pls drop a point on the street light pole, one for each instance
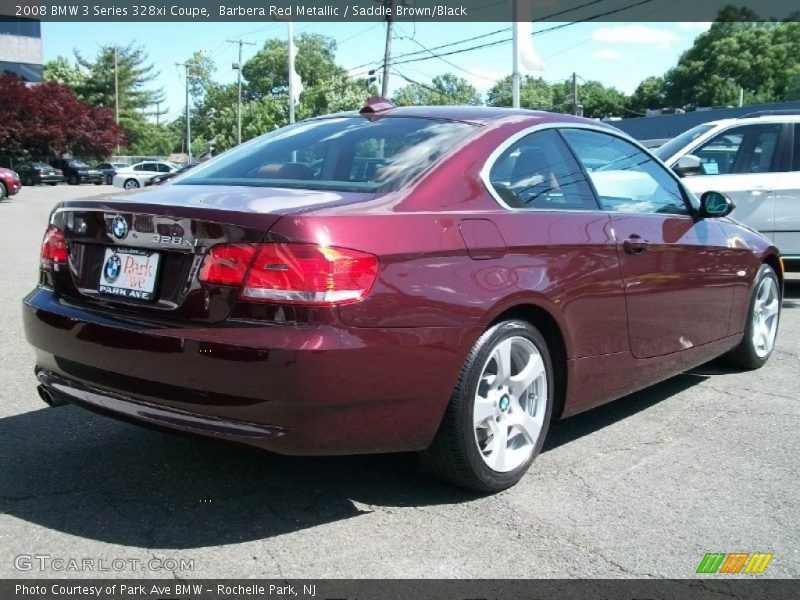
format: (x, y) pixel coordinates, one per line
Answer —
(238, 67)
(188, 115)
(515, 79)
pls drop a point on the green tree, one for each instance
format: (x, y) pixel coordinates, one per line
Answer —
(444, 89)
(135, 74)
(738, 51)
(61, 70)
(648, 95)
(534, 93)
(136, 97)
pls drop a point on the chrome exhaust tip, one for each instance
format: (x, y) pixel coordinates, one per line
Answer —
(49, 397)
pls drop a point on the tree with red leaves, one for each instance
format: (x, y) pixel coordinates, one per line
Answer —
(47, 120)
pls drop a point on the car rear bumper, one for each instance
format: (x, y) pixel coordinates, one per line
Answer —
(91, 178)
(291, 389)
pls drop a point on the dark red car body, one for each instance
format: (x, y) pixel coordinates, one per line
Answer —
(376, 375)
(10, 181)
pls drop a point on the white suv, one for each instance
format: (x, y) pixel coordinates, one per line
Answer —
(756, 161)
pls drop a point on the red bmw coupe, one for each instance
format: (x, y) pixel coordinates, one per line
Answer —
(434, 279)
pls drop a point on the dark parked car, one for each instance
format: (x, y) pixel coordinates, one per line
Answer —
(110, 169)
(34, 173)
(9, 183)
(443, 280)
(77, 171)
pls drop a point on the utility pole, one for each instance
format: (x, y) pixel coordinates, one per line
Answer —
(515, 83)
(188, 116)
(387, 53)
(116, 89)
(238, 67)
(575, 103)
(158, 112)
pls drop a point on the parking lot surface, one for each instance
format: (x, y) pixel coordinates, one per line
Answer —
(645, 486)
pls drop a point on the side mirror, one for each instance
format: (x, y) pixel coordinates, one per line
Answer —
(688, 165)
(714, 205)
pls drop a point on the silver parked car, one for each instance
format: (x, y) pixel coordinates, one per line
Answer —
(755, 160)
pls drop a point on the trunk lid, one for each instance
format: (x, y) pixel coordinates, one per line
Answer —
(140, 254)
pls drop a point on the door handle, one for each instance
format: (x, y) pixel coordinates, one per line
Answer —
(760, 190)
(635, 244)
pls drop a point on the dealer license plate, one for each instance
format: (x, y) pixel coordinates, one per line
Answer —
(129, 273)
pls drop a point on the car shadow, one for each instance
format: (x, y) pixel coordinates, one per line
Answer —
(86, 475)
(791, 293)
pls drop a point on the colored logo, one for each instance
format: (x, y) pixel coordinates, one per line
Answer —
(113, 268)
(734, 562)
(119, 227)
(505, 403)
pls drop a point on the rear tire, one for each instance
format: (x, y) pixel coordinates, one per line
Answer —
(131, 184)
(763, 317)
(73, 180)
(3, 191)
(499, 411)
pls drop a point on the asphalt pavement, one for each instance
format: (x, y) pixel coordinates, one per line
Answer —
(642, 487)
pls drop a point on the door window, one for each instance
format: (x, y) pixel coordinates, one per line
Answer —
(626, 179)
(740, 150)
(796, 149)
(539, 172)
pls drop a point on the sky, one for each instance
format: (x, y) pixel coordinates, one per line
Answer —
(616, 54)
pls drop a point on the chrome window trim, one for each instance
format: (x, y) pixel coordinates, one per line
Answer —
(510, 141)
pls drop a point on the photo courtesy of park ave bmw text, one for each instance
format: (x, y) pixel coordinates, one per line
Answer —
(390, 299)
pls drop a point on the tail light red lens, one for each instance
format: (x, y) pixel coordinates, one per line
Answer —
(54, 249)
(292, 273)
(227, 264)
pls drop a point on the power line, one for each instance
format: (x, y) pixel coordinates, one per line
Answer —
(413, 56)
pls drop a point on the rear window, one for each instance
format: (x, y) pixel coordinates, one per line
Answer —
(338, 154)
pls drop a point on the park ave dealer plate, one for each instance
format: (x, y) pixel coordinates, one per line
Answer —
(129, 273)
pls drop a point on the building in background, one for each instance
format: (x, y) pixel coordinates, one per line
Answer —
(21, 48)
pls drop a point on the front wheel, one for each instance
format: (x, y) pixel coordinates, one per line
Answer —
(73, 180)
(499, 412)
(3, 191)
(131, 184)
(762, 322)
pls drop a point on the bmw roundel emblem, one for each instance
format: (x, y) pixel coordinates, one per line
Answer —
(112, 268)
(119, 227)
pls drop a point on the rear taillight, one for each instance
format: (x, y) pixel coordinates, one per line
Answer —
(54, 249)
(227, 264)
(292, 273)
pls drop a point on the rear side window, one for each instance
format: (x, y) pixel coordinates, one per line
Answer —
(626, 179)
(740, 150)
(539, 172)
(337, 154)
(796, 149)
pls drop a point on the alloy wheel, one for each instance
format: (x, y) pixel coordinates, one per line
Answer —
(766, 310)
(510, 404)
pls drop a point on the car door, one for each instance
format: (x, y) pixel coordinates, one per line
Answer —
(787, 201)
(560, 243)
(741, 162)
(678, 291)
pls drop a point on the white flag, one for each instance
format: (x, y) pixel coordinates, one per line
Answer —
(529, 59)
(296, 83)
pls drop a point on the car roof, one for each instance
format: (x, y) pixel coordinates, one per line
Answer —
(468, 114)
(761, 119)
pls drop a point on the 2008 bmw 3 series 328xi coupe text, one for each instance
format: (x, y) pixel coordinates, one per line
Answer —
(442, 280)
